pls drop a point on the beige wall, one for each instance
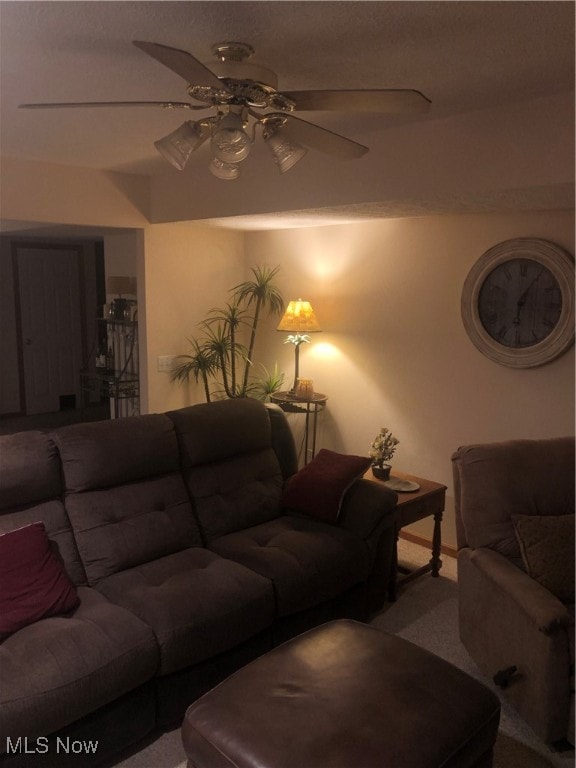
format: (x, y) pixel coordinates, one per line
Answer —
(58, 194)
(188, 270)
(393, 351)
(120, 254)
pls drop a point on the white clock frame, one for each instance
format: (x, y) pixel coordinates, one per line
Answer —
(560, 264)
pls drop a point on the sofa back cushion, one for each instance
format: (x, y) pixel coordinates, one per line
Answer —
(31, 491)
(495, 481)
(124, 493)
(229, 464)
(547, 546)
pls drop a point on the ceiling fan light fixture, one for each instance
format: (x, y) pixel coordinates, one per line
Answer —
(177, 147)
(225, 171)
(238, 90)
(230, 142)
(286, 152)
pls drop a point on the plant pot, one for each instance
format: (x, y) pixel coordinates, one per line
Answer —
(383, 472)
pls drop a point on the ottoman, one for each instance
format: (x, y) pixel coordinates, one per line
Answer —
(344, 695)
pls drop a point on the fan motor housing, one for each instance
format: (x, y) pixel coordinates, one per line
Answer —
(232, 64)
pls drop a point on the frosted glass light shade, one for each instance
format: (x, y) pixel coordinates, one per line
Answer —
(230, 143)
(286, 152)
(177, 147)
(226, 171)
(299, 317)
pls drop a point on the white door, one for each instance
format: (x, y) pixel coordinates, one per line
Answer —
(51, 335)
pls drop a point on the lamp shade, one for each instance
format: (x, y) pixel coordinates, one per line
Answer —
(299, 317)
(120, 284)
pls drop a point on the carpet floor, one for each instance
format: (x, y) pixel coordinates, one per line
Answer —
(426, 614)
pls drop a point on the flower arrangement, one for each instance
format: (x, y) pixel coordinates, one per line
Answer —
(383, 447)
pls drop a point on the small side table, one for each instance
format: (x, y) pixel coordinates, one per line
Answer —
(311, 407)
(428, 500)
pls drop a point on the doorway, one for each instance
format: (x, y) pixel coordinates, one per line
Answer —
(49, 298)
(58, 288)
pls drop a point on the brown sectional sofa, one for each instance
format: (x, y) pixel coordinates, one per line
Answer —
(171, 528)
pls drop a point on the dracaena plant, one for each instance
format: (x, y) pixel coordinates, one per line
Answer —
(218, 357)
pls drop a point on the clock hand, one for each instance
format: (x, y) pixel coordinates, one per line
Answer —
(523, 296)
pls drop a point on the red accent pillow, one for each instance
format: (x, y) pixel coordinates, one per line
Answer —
(33, 583)
(319, 487)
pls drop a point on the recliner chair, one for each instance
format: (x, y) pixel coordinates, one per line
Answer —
(514, 504)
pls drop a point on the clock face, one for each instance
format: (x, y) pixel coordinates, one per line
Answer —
(520, 303)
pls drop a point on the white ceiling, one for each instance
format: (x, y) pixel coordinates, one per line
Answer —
(461, 55)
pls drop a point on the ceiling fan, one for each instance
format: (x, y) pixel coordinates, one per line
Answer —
(244, 97)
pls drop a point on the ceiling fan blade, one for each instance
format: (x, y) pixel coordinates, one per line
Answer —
(320, 138)
(183, 63)
(73, 104)
(361, 101)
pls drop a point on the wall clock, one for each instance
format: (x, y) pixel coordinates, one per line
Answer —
(518, 302)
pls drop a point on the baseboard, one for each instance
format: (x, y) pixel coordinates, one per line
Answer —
(446, 549)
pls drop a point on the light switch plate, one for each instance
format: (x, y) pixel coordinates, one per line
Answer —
(165, 363)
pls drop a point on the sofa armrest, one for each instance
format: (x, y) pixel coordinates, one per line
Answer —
(365, 506)
(542, 608)
(368, 512)
(506, 620)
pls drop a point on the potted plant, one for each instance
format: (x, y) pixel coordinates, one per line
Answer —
(381, 451)
(218, 355)
(270, 382)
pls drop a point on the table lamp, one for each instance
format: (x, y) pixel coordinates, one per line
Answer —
(299, 320)
(120, 284)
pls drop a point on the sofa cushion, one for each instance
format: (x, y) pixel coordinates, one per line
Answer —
(318, 488)
(197, 604)
(212, 432)
(29, 469)
(229, 464)
(103, 454)
(498, 480)
(33, 582)
(307, 561)
(125, 496)
(119, 528)
(31, 490)
(547, 547)
(57, 670)
(236, 494)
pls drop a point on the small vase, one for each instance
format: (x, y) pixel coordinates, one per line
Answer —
(381, 472)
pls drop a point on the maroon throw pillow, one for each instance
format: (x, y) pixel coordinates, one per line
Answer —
(33, 583)
(319, 487)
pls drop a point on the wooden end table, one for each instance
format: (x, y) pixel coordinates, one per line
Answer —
(427, 501)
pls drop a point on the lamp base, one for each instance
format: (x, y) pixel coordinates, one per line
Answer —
(120, 309)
